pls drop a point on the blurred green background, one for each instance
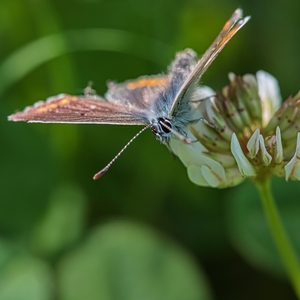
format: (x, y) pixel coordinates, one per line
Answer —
(143, 231)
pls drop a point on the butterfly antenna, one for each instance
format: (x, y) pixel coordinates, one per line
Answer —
(104, 170)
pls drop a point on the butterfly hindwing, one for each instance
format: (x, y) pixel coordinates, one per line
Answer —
(139, 93)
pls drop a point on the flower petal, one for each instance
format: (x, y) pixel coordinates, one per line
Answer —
(204, 176)
(202, 169)
(243, 163)
(203, 92)
(269, 92)
(279, 148)
(266, 157)
(212, 174)
(253, 143)
(188, 154)
(196, 176)
(292, 169)
(251, 97)
(211, 177)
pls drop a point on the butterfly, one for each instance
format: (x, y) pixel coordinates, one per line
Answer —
(161, 102)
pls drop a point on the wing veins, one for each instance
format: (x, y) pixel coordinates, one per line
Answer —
(231, 27)
(71, 109)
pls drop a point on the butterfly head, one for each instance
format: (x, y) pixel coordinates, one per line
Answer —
(162, 128)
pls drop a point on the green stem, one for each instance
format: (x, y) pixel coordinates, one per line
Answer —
(286, 251)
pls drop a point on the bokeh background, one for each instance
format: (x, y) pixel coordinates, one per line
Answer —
(143, 231)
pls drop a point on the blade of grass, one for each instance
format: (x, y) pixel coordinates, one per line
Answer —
(42, 50)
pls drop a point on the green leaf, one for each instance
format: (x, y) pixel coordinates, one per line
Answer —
(27, 58)
(63, 222)
(25, 277)
(124, 260)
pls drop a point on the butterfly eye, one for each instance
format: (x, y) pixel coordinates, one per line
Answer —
(167, 123)
(161, 126)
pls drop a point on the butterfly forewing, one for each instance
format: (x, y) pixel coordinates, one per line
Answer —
(71, 109)
(231, 27)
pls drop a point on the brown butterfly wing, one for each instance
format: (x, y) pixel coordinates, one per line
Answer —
(71, 109)
(139, 93)
(231, 27)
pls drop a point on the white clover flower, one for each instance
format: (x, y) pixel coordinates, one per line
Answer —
(255, 136)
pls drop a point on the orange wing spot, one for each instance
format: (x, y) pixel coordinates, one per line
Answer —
(52, 105)
(64, 101)
(42, 109)
(46, 108)
(147, 82)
